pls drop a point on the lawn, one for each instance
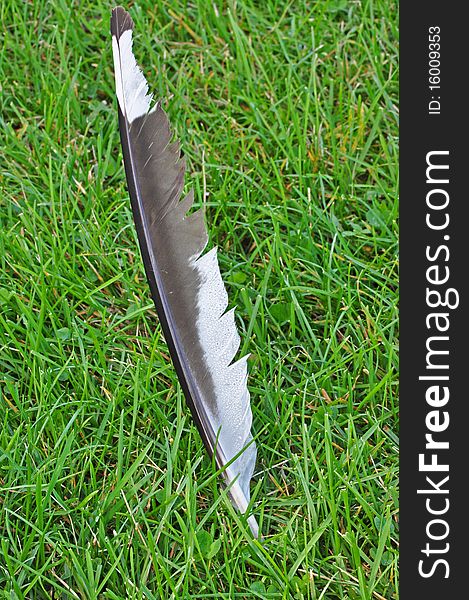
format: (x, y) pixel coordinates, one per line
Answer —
(287, 113)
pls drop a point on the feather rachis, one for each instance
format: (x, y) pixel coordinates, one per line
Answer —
(186, 284)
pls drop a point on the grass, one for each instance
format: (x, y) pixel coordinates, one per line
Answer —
(287, 115)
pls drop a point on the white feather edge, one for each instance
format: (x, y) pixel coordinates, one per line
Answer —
(133, 97)
(220, 341)
(217, 330)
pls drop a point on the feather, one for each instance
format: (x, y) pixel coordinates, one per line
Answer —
(185, 284)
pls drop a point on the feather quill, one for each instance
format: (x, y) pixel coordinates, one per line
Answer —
(185, 284)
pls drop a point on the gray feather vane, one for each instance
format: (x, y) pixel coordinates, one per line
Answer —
(185, 284)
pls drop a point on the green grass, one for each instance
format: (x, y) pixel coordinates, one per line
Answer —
(287, 114)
